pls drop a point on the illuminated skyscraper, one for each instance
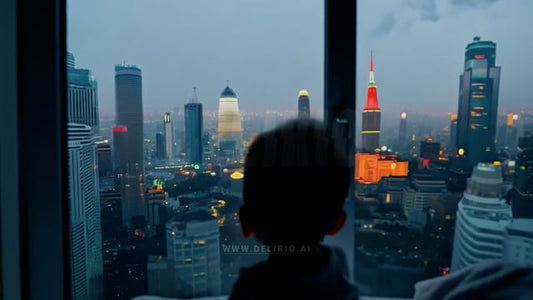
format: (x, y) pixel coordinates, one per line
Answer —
(84, 210)
(229, 125)
(169, 136)
(478, 102)
(194, 130)
(82, 96)
(128, 140)
(522, 200)
(482, 216)
(303, 105)
(371, 115)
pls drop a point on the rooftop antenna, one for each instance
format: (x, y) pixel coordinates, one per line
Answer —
(194, 98)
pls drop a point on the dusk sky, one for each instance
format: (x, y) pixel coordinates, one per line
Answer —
(268, 50)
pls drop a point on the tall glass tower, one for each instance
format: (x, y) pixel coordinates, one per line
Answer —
(371, 115)
(478, 102)
(193, 130)
(128, 140)
(303, 105)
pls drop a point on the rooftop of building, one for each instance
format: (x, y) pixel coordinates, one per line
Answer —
(228, 93)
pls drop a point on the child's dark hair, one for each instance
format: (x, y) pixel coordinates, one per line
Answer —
(295, 182)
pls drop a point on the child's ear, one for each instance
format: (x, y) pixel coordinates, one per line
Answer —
(247, 228)
(338, 224)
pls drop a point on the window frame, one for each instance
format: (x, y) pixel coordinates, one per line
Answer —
(34, 175)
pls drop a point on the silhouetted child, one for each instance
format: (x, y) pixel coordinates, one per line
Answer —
(295, 182)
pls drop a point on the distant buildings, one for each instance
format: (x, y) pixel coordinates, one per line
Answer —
(371, 116)
(82, 96)
(429, 149)
(424, 191)
(160, 150)
(128, 140)
(402, 143)
(303, 105)
(522, 196)
(482, 218)
(84, 210)
(478, 102)
(193, 252)
(229, 127)
(371, 168)
(169, 135)
(194, 130)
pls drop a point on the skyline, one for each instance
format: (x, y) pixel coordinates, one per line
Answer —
(418, 48)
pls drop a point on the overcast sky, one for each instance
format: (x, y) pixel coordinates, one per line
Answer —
(270, 49)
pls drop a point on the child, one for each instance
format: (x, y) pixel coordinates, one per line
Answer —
(295, 182)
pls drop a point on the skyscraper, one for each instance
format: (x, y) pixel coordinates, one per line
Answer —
(303, 105)
(128, 155)
(194, 130)
(169, 135)
(522, 200)
(229, 126)
(402, 133)
(478, 102)
(371, 115)
(84, 210)
(482, 216)
(82, 106)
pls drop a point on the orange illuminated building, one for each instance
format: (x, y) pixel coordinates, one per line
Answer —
(370, 168)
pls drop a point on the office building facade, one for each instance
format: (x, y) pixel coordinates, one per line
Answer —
(84, 211)
(82, 96)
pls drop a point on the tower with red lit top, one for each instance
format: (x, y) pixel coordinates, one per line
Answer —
(371, 115)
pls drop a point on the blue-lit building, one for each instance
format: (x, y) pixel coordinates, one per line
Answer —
(478, 102)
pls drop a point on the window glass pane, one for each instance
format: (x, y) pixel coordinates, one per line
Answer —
(164, 99)
(436, 105)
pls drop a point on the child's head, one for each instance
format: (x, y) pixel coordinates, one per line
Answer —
(295, 182)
